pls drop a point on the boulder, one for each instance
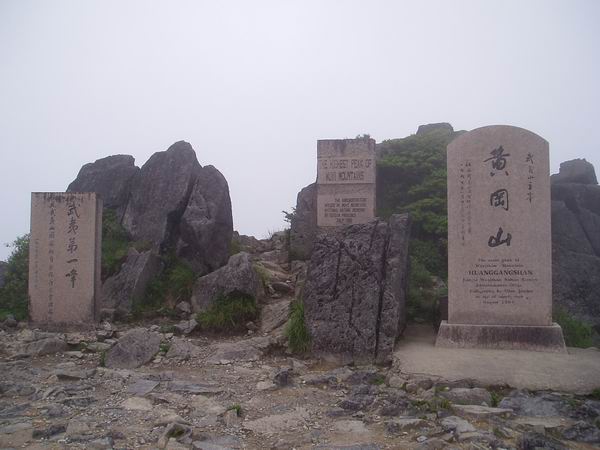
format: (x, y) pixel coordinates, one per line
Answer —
(206, 227)
(160, 195)
(303, 225)
(576, 241)
(45, 346)
(238, 277)
(424, 129)
(133, 350)
(355, 291)
(120, 291)
(111, 177)
(575, 171)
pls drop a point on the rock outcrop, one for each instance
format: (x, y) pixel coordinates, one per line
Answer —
(423, 129)
(206, 227)
(160, 195)
(120, 291)
(576, 241)
(355, 291)
(238, 277)
(111, 177)
(303, 226)
(171, 204)
(575, 171)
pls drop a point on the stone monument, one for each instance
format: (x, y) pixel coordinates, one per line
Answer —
(64, 258)
(499, 243)
(345, 181)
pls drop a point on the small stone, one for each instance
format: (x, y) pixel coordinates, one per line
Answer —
(404, 424)
(266, 386)
(481, 412)
(421, 439)
(283, 377)
(137, 404)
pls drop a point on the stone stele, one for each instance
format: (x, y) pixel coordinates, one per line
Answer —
(345, 181)
(64, 258)
(499, 242)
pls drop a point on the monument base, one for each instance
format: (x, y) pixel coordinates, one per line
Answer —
(505, 337)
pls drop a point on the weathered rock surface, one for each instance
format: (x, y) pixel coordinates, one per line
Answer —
(160, 194)
(237, 277)
(355, 292)
(575, 171)
(111, 177)
(576, 241)
(303, 226)
(134, 349)
(206, 227)
(120, 291)
(423, 129)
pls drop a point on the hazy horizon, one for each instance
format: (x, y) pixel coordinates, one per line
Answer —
(253, 85)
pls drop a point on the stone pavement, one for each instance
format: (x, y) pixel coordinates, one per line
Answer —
(578, 371)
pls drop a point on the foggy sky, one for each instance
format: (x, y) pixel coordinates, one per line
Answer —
(253, 84)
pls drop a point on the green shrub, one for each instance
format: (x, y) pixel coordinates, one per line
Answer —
(14, 295)
(115, 243)
(296, 330)
(172, 286)
(496, 398)
(235, 247)
(263, 274)
(229, 313)
(576, 332)
(595, 394)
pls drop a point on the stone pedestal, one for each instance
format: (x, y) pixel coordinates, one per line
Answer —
(499, 242)
(512, 337)
(64, 259)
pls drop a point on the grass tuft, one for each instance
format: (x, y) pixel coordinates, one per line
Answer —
(229, 313)
(296, 331)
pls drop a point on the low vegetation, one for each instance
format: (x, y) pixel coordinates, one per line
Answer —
(576, 332)
(13, 295)
(172, 286)
(296, 331)
(229, 314)
(115, 243)
(411, 177)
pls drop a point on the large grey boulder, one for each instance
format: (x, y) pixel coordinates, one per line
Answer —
(355, 291)
(134, 349)
(111, 177)
(576, 241)
(424, 129)
(303, 227)
(206, 227)
(160, 195)
(120, 291)
(575, 171)
(238, 277)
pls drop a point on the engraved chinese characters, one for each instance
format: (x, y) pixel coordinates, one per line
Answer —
(499, 228)
(64, 257)
(345, 181)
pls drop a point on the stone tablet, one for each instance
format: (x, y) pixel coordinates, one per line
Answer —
(64, 258)
(345, 181)
(499, 242)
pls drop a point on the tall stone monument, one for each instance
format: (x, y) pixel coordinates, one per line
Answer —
(64, 258)
(345, 181)
(499, 242)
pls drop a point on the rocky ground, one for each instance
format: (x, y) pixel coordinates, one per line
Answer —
(164, 384)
